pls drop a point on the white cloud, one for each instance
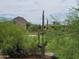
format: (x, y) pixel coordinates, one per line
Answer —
(32, 9)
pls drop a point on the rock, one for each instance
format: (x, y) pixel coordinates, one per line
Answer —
(50, 56)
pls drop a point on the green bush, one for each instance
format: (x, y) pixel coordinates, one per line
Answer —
(14, 41)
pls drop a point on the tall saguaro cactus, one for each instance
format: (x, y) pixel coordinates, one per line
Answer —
(43, 43)
(43, 20)
(43, 48)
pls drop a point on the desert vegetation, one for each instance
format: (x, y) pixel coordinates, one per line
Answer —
(62, 38)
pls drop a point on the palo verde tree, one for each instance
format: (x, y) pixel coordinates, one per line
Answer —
(73, 31)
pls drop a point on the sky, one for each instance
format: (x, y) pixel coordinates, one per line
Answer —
(31, 10)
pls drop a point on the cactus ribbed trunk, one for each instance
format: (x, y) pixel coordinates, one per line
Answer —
(43, 48)
(47, 23)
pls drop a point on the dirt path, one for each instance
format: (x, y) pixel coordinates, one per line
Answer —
(2, 57)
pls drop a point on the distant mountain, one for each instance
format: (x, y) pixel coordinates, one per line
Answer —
(4, 19)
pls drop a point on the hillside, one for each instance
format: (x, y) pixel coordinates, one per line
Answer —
(4, 19)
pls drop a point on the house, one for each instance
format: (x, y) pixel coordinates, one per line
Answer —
(20, 21)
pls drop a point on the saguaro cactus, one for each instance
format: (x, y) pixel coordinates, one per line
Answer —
(43, 20)
(47, 23)
(43, 48)
(43, 43)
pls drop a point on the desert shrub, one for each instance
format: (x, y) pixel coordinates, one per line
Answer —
(14, 41)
